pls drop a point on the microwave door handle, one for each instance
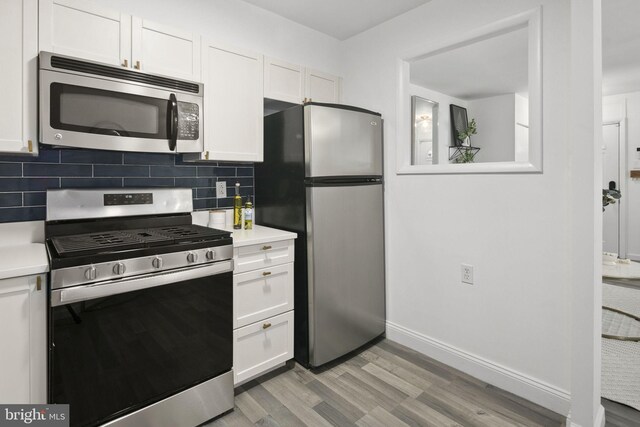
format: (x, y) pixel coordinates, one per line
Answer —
(173, 122)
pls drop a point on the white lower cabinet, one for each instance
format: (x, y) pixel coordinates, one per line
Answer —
(262, 308)
(262, 293)
(262, 345)
(23, 334)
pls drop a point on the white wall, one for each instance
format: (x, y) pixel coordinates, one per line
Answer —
(495, 119)
(512, 327)
(239, 24)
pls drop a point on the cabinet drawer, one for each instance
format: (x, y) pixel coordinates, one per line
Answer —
(262, 345)
(264, 255)
(262, 293)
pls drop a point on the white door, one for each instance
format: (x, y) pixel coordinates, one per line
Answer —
(611, 173)
(18, 85)
(283, 81)
(233, 104)
(160, 49)
(23, 357)
(81, 29)
(322, 87)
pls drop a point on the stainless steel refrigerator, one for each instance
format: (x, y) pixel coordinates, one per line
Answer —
(322, 178)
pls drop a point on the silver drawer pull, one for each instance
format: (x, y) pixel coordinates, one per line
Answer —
(266, 247)
(266, 273)
(266, 325)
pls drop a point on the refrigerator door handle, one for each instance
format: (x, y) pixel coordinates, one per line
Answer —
(342, 181)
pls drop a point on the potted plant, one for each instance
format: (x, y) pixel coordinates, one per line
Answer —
(467, 153)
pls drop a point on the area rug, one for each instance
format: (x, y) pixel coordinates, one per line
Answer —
(621, 359)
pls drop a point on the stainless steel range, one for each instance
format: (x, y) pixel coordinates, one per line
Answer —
(140, 319)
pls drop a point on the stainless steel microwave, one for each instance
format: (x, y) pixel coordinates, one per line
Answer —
(92, 105)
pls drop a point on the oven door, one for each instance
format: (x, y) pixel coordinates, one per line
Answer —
(119, 346)
(91, 112)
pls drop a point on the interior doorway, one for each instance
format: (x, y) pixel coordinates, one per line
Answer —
(613, 176)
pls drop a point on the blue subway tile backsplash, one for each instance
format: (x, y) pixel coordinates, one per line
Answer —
(24, 180)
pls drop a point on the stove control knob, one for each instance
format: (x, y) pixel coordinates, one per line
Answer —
(119, 268)
(90, 273)
(192, 257)
(157, 262)
(210, 254)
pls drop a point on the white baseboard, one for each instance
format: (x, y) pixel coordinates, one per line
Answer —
(633, 257)
(527, 387)
(599, 421)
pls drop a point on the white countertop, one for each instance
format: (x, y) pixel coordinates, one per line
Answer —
(259, 234)
(23, 260)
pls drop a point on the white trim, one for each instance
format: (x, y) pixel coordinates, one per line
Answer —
(525, 386)
(599, 420)
(533, 20)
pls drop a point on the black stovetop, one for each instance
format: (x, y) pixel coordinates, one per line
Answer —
(72, 243)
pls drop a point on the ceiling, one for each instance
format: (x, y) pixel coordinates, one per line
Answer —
(620, 46)
(490, 67)
(340, 19)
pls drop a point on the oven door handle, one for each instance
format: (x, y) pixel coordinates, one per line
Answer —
(105, 289)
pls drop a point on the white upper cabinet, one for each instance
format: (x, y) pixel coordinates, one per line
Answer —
(321, 87)
(160, 49)
(19, 82)
(81, 29)
(233, 104)
(296, 84)
(283, 81)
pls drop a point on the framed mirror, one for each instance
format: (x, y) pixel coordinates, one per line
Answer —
(424, 133)
(486, 85)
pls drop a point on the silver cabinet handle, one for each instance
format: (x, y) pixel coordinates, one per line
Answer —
(125, 63)
(266, 325)
(137, 65)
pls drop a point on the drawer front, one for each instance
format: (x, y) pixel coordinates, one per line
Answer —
(264, 255)
(262, 293)
(262, 345)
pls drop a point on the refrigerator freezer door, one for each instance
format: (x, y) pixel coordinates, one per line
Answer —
(341, 142)
(345, 255)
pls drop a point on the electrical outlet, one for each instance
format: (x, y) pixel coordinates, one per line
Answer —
(221, 189)
(467, 273)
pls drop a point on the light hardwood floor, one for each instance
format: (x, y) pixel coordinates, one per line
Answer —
(383, 385)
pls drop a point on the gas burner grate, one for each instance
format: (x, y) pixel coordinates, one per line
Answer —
(94, 243)
(188, 232)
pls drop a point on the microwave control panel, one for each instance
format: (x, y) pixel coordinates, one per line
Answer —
(188, 121)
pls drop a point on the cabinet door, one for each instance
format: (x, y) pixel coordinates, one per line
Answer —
(262, 293)
(283, 81)
(233, 104)
(322, 87)
(81, 29)
(23, 330)
(261, 346)
(18, 85)
(160, 49)
(263, 255)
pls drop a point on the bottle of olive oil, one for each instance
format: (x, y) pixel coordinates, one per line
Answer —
(237, 209)
(248, 214)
